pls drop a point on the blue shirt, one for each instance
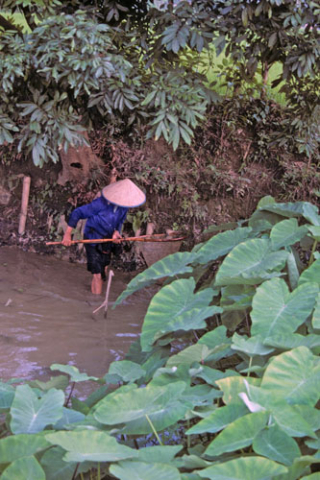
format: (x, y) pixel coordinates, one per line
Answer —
(103, 218)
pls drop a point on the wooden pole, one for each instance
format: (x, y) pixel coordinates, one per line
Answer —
(161, 237)
(24, 204)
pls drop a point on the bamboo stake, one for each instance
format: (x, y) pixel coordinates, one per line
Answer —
(106, 300)
(24, 204)
(161, 237)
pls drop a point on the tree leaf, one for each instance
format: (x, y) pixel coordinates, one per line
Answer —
(30, 414)
(90, 445)
(238, 434)
(274, 443)
(27, 468)
(249, 262)
(276, 311)
(176, 307)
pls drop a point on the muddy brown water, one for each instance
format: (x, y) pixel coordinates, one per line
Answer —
(46, 314)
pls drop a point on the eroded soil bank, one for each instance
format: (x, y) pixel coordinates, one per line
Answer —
(46, 312)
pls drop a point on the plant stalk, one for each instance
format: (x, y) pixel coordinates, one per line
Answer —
(314, 246)
(154, 430)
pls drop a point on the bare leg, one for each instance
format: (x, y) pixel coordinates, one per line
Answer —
(96, 284)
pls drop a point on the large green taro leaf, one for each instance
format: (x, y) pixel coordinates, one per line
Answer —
(211, 375)
(144, 471)
(285, 416)
(293, 270)
(275, 444)
(238, 434)
(212, 346)
(17, 446)
(300, 466)
(294, 340)
(75, 375)
(158, 453)
(294, 376)
(316, 314)
(6, 396)
(176, 307)
(126, 370)
(69, 416)
(246, 468)
(295, 209)
(90, 445)
(26, 468)
(276, 311)
(236, 297)
(287, 233)
(221, 244)
(170, 266)
(233, 386)
(250, 346)
(30, 414)
(311, 274)
(162, 405)
(199, 353)
(218, 419)
(60, 382)
(249, 263)
(56, 468)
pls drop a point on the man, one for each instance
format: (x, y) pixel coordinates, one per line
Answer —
(105, 217)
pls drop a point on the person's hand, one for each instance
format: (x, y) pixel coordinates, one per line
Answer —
(116, 236)
(66, 241)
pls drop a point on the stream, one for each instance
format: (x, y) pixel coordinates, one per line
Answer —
(46, 312)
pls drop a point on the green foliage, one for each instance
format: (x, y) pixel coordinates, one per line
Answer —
(80, 65)
(221, 402)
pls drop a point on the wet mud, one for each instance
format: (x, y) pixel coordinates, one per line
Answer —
(46, 314)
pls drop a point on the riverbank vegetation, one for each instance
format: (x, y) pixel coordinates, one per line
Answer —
(223, 382)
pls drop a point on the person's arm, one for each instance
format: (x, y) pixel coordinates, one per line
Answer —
(79, 213)
(122, 217)
(66, 241)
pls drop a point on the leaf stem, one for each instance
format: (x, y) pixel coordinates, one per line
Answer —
(154, 430)
(250, 364)
(314, 246)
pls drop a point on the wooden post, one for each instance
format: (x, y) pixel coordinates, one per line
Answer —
(24, 204)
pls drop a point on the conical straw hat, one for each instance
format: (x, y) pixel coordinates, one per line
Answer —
(124, 193)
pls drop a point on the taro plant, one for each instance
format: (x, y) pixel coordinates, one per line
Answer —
(224, 382)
